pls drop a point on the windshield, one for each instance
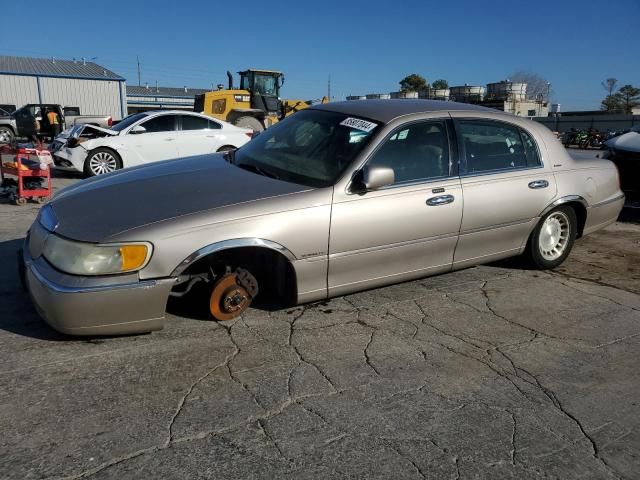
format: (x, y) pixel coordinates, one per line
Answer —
(128, 121)
(266, 85)
(312, 147)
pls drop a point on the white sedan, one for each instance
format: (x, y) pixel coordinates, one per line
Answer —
(144, 138)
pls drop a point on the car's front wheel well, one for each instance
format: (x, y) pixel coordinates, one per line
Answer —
(274, 272)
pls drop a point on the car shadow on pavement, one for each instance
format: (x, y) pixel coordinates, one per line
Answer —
(17, 314)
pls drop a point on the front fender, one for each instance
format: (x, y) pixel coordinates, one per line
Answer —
(229, 244)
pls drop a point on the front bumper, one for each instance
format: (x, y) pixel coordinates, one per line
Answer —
(95, 305)
(70, 159)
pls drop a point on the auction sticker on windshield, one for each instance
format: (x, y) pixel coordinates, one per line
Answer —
(358, 124)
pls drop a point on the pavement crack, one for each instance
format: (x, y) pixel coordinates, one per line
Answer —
(512, 452)
(532, 330)
(183, 399)
(407, 458)
(301, 357)
(595, 452)
(590, 280)
(456, 462)
(230, 371)
(425, 316)
(272, 440)
(617, 340)
(367, 357)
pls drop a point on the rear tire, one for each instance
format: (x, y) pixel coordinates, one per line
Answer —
(247, 121)
(6, 135)
(552, 240)
(101, 161)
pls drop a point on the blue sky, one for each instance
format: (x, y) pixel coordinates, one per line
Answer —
(366, 47)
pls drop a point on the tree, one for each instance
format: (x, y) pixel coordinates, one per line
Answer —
(413, 83)
(537, 86)
(609, 85)
(440, 84)
(629, 98)
(611, 103)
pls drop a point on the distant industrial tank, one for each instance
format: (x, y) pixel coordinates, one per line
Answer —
(404, 94)
(467, 93)
(506, 90)
(440, 93)
(382, 96)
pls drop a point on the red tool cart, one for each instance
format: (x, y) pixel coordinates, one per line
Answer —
(25, 164)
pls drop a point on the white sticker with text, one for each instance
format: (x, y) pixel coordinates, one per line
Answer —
(358, 124)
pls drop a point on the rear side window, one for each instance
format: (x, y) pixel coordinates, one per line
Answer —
(415, 152)
(161, 123)
(495, 146)
(191, 122)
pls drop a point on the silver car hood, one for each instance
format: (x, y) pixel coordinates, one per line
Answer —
(95, 210)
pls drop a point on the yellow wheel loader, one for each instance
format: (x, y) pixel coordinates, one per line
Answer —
(256, 104)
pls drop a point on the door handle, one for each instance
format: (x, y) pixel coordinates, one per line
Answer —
(440, 200)
(169, 139)
(538, 184)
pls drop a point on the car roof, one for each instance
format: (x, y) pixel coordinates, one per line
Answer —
(172, 112)
(386, 110)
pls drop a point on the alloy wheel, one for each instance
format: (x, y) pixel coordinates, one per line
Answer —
(102, 162)
(554, 236)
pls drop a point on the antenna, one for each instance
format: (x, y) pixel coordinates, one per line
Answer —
(138, 60)
(329, 88)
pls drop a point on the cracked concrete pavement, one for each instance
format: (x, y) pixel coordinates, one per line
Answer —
(490, 372)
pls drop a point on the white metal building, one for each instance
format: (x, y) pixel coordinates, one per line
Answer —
(95, 90)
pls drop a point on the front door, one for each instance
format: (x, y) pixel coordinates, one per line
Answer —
(157, 143)
(505, 187)
(406, 230)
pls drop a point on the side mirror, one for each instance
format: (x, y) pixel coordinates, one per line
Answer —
(377, 177)
(137, 130)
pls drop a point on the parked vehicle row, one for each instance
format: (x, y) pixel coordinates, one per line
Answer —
(33, 120)
(337, 198)
(143, 138)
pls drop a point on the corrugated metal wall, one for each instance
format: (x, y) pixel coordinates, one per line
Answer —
(94, 97)
(17, 90)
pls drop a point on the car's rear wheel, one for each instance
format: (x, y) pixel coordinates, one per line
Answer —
(101, 161)
(553, 238)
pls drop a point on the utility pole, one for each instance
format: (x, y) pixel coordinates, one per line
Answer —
(329, 88)
(138, 60)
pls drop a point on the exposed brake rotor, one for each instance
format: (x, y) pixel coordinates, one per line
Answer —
(232, 294)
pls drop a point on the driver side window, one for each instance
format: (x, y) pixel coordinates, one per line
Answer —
(418, 151)
(161, 123)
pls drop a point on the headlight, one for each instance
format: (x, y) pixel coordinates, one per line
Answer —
(90, 259)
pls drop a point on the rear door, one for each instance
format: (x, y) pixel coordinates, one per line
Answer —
(157, 143)
(505, 186)
(198, 136)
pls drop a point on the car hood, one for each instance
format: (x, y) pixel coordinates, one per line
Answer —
(95, 210)
(87, 130)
